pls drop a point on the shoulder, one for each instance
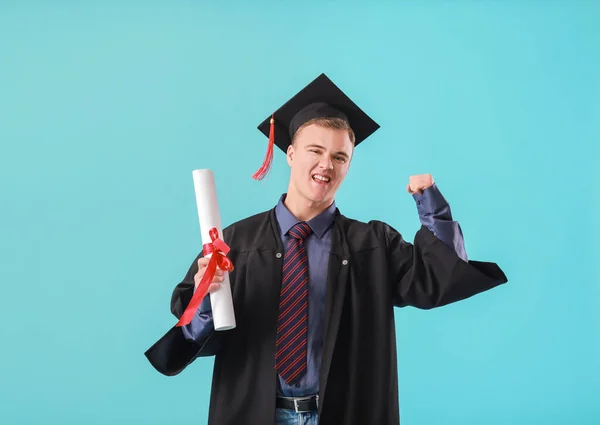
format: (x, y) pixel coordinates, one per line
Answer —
(251, 233)
(248, 222)
(361, 235)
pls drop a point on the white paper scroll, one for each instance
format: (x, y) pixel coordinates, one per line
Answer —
(209, 216)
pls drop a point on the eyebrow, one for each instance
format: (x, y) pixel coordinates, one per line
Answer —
(321, 147)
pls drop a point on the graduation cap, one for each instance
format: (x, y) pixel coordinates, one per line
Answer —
(320, 99)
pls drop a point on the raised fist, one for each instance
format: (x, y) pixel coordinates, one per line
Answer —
(418, 183)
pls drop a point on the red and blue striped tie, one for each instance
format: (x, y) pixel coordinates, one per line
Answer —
(292, 326)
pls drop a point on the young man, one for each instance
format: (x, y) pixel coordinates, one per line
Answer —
(314, 291)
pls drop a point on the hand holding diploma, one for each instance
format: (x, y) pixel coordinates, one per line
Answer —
(214, 266)
(217, 279)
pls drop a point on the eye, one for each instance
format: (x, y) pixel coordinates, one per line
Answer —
(340, 159)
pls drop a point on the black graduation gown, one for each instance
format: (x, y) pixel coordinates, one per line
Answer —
(371, 270)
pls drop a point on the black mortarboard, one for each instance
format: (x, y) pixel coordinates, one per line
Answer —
(321, 98)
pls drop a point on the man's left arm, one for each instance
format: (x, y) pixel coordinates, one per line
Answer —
(428, 273)
(434, 213)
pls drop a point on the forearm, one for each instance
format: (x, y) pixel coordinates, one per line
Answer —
(435, 214)
(202, 325)
(201, 330)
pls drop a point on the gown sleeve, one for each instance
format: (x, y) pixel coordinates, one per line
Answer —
(428, 274)
(173, 352)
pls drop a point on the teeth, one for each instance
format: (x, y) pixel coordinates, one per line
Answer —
(322, 178)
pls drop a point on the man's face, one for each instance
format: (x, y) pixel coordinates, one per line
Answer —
(319, 160)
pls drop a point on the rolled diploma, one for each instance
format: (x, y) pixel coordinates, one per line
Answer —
(209, 216)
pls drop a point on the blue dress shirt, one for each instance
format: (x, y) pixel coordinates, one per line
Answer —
(434, 213)
(318, 246)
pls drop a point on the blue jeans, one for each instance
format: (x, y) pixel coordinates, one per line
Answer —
(289, 417)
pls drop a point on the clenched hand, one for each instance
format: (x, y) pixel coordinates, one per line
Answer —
(217, 279)
(418, 183)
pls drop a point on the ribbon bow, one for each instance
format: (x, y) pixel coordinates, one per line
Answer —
(219, 250)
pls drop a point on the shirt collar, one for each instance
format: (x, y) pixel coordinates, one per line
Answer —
(318, 224)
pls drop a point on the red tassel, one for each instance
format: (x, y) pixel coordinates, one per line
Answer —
(264, 169)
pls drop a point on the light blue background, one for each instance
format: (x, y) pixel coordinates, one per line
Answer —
(106, 107)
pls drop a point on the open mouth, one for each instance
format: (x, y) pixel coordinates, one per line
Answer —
(319, 178)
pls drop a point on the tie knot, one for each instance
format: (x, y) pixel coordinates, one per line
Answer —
(300, 231)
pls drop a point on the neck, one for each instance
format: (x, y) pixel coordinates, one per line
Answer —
(302, 208)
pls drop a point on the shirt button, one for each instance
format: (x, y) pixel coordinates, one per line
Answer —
(278, 255)
(345, 262)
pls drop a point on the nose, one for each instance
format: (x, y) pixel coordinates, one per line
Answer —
(326, 163)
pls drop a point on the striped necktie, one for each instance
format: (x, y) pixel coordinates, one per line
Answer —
(292, 326)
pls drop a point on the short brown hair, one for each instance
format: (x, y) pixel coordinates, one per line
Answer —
(327, 122)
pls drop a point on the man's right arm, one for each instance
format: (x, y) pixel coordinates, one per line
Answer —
(201, 329)
(177, 348)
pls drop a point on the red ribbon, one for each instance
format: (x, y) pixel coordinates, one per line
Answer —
(219, 250)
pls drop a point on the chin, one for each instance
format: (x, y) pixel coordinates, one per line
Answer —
(319, 200)
(319, 197)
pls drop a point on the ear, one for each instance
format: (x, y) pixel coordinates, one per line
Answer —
(290, 154)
